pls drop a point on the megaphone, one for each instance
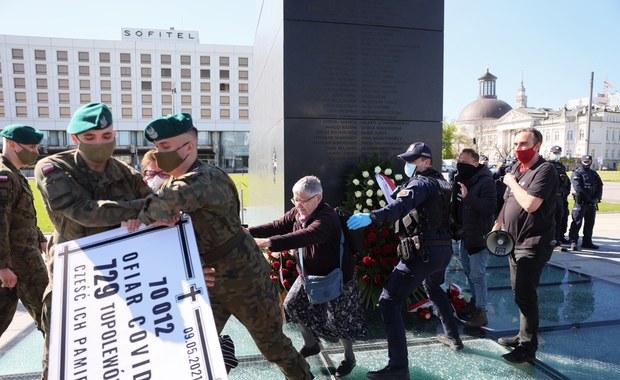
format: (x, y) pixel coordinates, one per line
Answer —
(500, 243)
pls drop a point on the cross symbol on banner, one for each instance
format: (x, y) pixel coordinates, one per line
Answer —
(193, 292)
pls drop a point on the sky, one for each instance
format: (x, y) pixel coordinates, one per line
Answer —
(553, 46)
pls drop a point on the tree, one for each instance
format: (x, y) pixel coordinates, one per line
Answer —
(447, 137)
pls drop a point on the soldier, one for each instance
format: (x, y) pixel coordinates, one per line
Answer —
(72, 183)
(210, 197)
(588, 192)
(561, 208)
(22, 270)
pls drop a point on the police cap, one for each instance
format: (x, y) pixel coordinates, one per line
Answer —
(22, 134)
(586, 158)
(415, 151)
(556, 149)
(90, 116)
(168, 126)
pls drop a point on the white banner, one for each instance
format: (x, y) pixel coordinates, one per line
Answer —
(133, 306)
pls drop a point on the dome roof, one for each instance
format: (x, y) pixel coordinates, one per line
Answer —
(484, 108)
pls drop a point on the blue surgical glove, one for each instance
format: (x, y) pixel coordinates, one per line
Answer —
(358, 221)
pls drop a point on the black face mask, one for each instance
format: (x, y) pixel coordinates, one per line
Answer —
(466, 171)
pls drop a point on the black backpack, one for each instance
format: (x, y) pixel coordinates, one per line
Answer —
(354, 239)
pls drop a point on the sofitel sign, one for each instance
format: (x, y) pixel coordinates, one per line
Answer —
(159, 34)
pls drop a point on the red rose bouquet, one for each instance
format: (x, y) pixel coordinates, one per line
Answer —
(283, 268)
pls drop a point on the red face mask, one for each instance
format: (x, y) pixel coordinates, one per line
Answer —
(524, 156)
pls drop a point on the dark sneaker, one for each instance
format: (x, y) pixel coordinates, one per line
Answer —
(520, 355)
(589, 246)
(453, 343)
(479, 318)
(390, 373)
(573, 246)
(310, 351)
(345, 368)
(509, 341)
(564, 241)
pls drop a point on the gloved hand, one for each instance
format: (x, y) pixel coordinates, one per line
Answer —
(358, 221)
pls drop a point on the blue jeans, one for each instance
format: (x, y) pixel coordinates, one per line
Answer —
(475, 268)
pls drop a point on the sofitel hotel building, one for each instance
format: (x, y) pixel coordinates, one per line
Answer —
(146, 74)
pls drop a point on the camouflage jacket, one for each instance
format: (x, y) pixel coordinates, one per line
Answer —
(19, 235)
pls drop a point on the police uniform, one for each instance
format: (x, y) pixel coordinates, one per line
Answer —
(19, 235)
(588, 193)
(71, 192)
(245, 290)
(561, 208)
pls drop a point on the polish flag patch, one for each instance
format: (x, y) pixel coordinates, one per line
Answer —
(4, 178)
(48, 169)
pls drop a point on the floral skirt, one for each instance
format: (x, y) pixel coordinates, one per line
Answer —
(342, 318)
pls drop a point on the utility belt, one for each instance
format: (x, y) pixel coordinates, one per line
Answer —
(579, 200)
(219, 252)
(414, 247)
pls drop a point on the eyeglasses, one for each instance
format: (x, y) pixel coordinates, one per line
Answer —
(152, 173)
(300, 202)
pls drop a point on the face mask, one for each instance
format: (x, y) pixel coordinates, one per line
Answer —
(466, 171)
(525, 156)
(155, 183)
(586, 164)
(410, 169)
(555, 157)
(26, 156)
(168, 161)
(97, 153)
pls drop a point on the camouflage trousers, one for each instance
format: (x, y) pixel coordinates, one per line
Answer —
(31, 282)
(243, 289)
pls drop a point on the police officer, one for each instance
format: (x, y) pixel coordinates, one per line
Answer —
(588, 192)
(22, 271)
(561, 208)
(421, 213)
(73, 181)
(210, 197)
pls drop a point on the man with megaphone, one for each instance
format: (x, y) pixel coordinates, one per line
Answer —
(528, 216)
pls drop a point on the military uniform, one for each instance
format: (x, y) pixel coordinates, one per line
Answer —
(19, 246)
(561, 207)
(588, 193)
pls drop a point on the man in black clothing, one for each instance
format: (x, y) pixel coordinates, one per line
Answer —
(588, 192)
(561, 208)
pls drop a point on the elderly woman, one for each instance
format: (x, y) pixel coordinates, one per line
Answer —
(314, 226)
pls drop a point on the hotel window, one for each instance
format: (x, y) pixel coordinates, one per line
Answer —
(39, 55)
(205, 100)
(186, 99)
(1, 97)
(205, 60)
(186, 86)
(243, 62)
(2, 111)
(146, 85)
(106, 98)
(84, 71)
(44, 112)
(83, 56)
(186, 73)
(125, 58)
(84, 84)
(63, 70)
(126, 99)
(166, 99)
(125, 71)
(40, 69)
(243, 74)
(205, 113)
(224, 113)
(41, 83)
(104, 57)
(145, 58)
(166, 59)
(225, 100)
(166, 86)
(18, 68)
(205, 74)
(166, 73)
(19, 82)
(186, 59)
(224, 61)
(20, 97)
(145, 72)
(65, 112)
(147, 99)
(42, 97)
(166, 111)
(63, 84)
(244, 114)
(21, 111)
(126, 112)
(243, 100)
(224, 87)
(186, 110)
(224, 74)
(205, 87)
(104, 71)
(125, 85)
(106, 85)
(84, 98)
(17, 53)
(62, 56)
(63, 98)
(147, 113)
(243, 87)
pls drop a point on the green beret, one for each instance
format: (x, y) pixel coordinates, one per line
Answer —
(168, 126)
(90, 116)
(22, 134)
